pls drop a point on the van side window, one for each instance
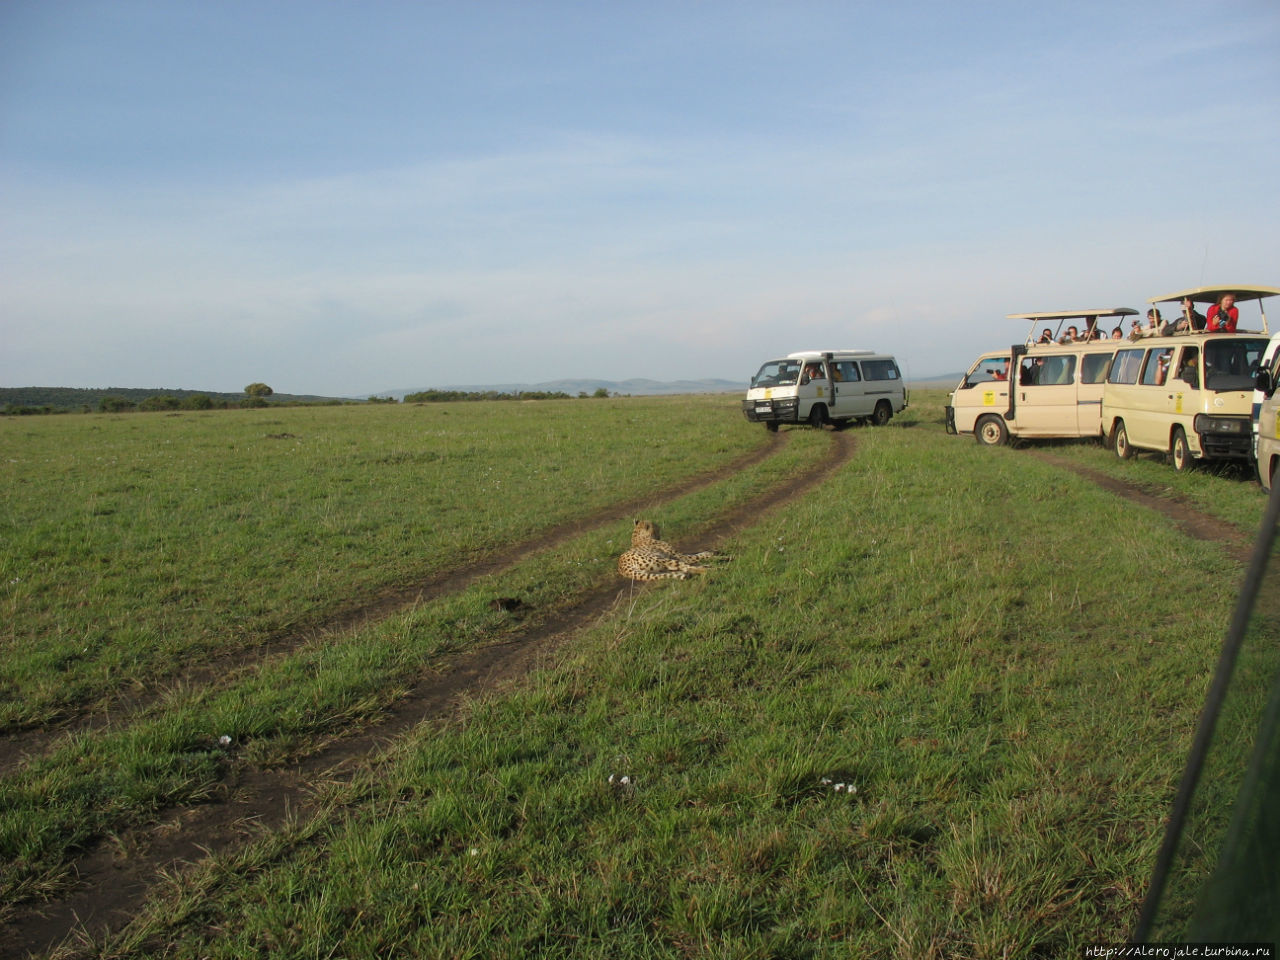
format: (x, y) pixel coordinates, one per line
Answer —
(847, 371)
(1156, 370)
(1125, 367)
(1189, 366)
(880, 369)
(1093, 367)
(1058, 370)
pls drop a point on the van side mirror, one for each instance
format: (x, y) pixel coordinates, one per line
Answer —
(1263, 381)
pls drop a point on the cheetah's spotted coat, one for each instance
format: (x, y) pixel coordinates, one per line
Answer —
(652, 559)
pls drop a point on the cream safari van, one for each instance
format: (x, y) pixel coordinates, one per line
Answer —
(1189, 392)
(1050, 386)
(826, 386)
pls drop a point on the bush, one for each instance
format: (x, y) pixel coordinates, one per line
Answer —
(159, 402)
(114, 404)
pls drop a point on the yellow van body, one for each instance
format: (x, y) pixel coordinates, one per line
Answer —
(1188, 395)
(1041, 390)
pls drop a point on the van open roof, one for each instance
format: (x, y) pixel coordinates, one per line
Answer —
(1211, 294)
(1076, 314)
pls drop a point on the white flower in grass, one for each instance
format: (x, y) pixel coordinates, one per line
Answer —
(224, 741)
(474, 851)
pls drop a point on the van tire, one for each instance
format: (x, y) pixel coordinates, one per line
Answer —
(1180, 452)
(771, 426)
(818, 416)
(990, 431)
(883, 413)
(1120, 441)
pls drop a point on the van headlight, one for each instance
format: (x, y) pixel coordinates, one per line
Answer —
(1206, 424)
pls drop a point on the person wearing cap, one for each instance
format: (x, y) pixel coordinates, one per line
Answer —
(1223, 315)
(1195, 319)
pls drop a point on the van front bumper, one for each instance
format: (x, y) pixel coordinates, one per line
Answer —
(763, 411)
(1224, 438)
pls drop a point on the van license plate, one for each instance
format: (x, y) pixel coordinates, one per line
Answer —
(764, 410)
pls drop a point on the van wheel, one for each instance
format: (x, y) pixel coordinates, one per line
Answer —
(883, 413)
(1180, 453)
(991, 432)
(771, 426)
(1120, 441)
(817, 416)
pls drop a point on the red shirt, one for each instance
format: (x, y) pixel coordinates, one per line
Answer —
(1227, 325)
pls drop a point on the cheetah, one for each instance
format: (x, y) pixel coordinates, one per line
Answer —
(652, 559)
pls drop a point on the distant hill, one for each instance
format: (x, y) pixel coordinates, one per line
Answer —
(75, 398)
(634, 387)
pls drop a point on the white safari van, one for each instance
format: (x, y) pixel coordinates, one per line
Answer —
(1189, 392)
(1050, 386)
(826, 386)
(1266, 419)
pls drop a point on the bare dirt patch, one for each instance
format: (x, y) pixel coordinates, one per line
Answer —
(115, 877)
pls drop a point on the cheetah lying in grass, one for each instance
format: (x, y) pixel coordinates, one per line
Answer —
(652, 559)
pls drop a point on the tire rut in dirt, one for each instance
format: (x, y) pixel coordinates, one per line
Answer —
(115, 878)
(1192, 521)
(17, 745)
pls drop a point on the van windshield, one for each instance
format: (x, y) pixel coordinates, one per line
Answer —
(986, 370)
(777, 373)
(1232, 364)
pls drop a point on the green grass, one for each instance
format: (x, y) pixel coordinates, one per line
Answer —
(133, 544)
(957, 632)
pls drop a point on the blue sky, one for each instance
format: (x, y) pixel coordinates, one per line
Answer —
(342, 198)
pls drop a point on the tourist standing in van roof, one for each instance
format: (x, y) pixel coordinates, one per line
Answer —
(1194, 319)
(1224, 314)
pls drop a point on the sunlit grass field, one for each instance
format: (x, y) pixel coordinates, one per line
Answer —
(937, 707)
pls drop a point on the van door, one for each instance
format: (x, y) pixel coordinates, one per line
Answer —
(1046, 397)
(850, 391)
(1093, 374)
(1153, 401)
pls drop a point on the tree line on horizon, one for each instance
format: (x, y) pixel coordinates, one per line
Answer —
(27, 401)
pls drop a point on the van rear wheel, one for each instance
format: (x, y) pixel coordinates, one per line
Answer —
(1180, 452)
(883, 413)
(991, 432)
(1120, 441)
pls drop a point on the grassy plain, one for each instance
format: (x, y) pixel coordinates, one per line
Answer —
(936, 707)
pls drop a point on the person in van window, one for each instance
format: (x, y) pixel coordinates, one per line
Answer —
(1162, 368)
(1001, 372)
(1117, 334)
(1046, 336)
(1071, 336)
(812, 371)
(1190, 369)
(1136, 332)
(1194, 319)
(1223, 315)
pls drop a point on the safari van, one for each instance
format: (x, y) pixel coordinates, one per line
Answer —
(1189, 392)
(1266, 419)
(826, 386)
(1050, 386)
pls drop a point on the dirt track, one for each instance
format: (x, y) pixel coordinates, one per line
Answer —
(114, 879)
